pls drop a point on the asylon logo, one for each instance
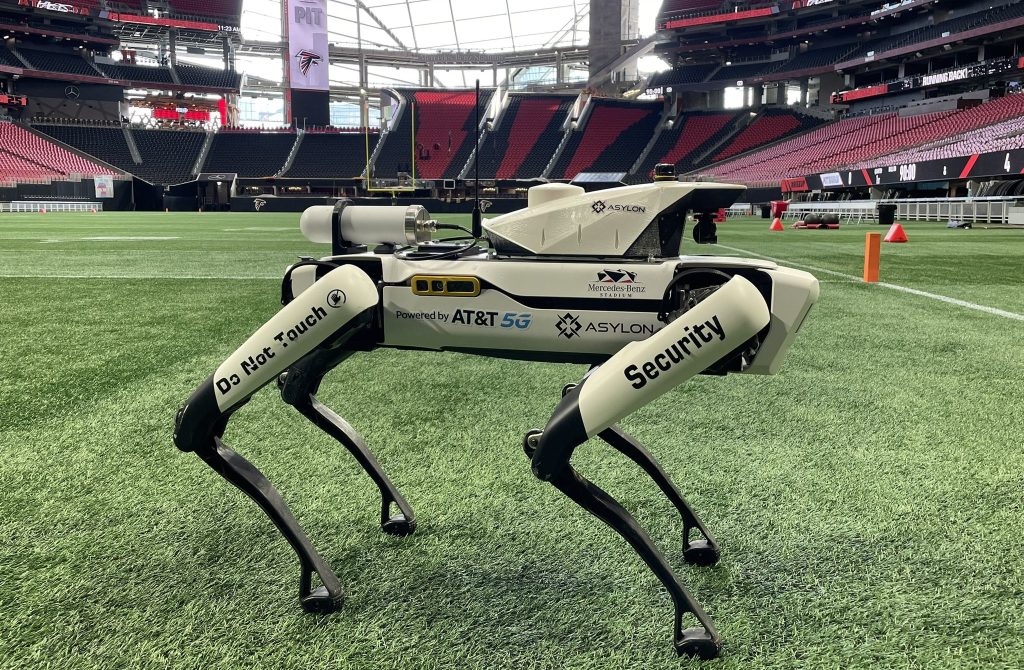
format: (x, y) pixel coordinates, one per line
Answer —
(568, 326)
(600, 206)
(307, 59)
(258, 203)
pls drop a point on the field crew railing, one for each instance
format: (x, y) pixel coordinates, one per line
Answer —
(849, 211)
(41, 205)
(968, 210)
(994, 210)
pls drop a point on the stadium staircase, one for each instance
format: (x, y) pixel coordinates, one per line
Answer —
(292, 151)
(769, 126)
(444, 132)
(610, 140)
(526, 137)
(635, 167)
(133, 148)
(739, 122)
(203, 152)
(692, 134)
(393, 153)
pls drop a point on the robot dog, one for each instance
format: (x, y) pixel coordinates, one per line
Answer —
(587, 278)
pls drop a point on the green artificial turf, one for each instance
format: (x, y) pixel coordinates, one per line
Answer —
(868, 499)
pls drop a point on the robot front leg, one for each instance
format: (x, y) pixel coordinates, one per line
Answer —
(704, 551)
(298, 388)
(719, 326)
(324, 315)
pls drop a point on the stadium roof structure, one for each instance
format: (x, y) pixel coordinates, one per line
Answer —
(437, 25)
(455, 40)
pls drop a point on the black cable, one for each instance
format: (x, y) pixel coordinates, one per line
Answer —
(453, 226)
(420, 254)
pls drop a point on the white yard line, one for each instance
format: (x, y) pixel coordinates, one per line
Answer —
(896, 287)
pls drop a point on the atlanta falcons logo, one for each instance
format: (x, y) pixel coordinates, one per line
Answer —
(306, 59)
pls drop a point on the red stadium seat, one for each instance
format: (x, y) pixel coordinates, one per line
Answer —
(26, 155)
(611, 140)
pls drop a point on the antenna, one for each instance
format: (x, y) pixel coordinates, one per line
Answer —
(477, 228)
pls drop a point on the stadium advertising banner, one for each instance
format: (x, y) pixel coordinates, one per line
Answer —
(831, 179)
(307, 45)
(62, 7)
(992, 164)
(123, 17)
(990, 68)
(104, 186)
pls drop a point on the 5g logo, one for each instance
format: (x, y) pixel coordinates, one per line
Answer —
(514, 320)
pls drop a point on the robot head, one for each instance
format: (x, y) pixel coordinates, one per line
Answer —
(639, 221)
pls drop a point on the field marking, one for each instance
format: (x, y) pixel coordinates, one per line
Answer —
(125, 238)
(259, 228)
(896, 287)
(55, 276)
(107, 238)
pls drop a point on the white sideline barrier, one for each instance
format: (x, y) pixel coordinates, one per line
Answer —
(40, 205)
(972, 210)
(848, 211)
(994, 210)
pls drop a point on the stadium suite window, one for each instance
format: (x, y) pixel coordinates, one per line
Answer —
(260, 111)
(346, 114)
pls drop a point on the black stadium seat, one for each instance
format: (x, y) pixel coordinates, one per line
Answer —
(336, 155)
(249, 154)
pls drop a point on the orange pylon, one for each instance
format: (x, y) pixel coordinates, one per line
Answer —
(872, 252)
(896, 234)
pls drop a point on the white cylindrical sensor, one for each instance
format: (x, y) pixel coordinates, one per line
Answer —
(368, 224)
(315, 223)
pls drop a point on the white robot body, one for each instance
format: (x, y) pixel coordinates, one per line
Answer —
(592, 278)
(558, 311)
